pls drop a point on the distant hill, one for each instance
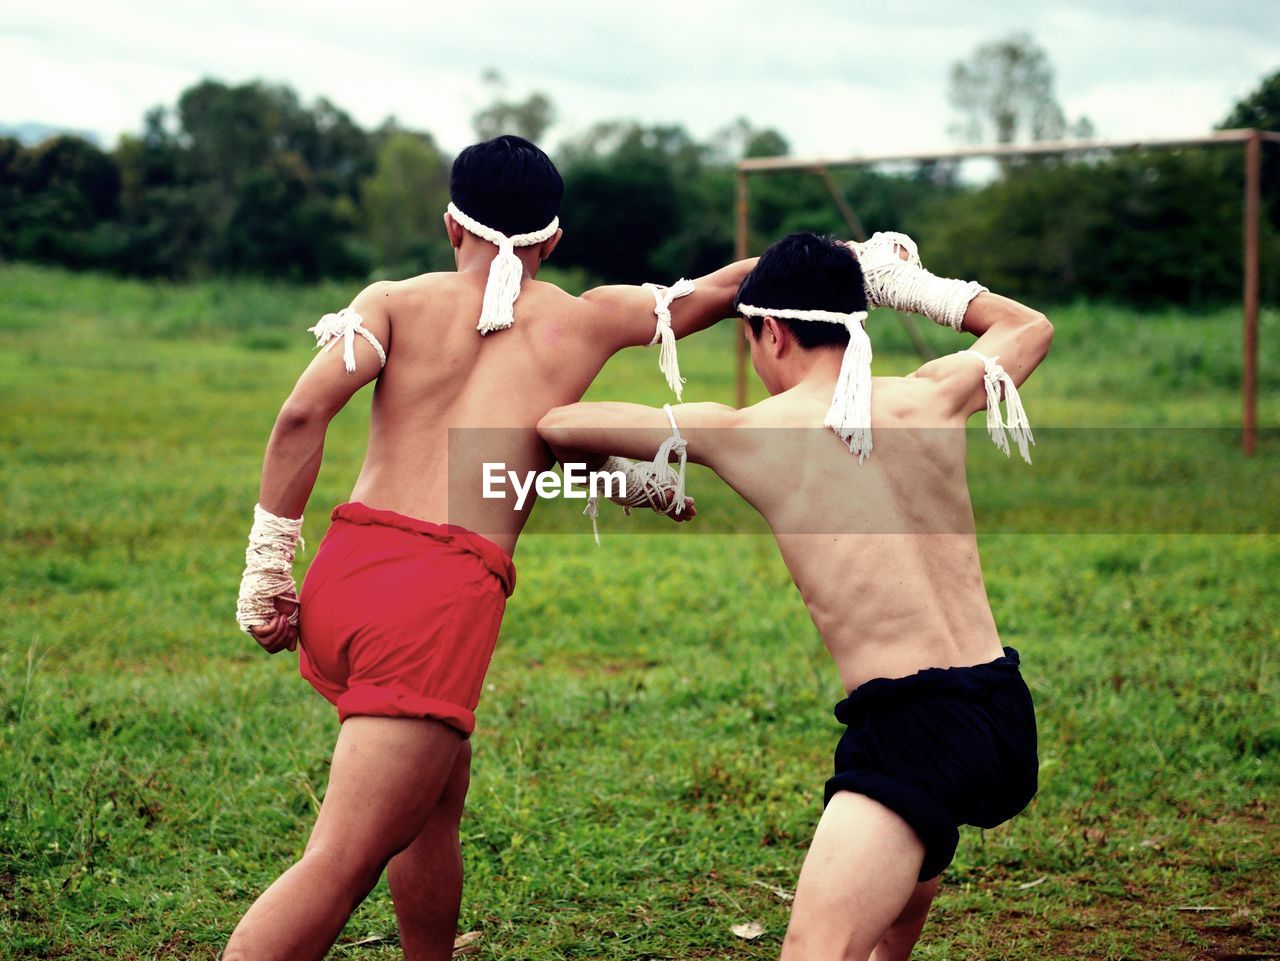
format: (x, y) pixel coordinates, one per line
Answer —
(33, 133)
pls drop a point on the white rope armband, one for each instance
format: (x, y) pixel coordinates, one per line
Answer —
(667, 361)
(344, 325)
(505, 272)
(268, 569)
(905, 285)
(653, 485)
(994, 378)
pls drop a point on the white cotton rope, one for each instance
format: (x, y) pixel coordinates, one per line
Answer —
(344, 325)
(667, 361)
(648, 484)
(905, 285)
(506, 271)
(850, 412)
(268, 569)
(994, 377)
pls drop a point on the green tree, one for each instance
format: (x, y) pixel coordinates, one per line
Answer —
(529, 118)
(403, 202)
(1004, 93)
(1261, 109)
(58, 195)
(246, 179)
(638, 206)
(1146, 228)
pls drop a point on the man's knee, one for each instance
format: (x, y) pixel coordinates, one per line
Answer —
(917, 907)
(454, 796)
(821, 943)
(352, 868)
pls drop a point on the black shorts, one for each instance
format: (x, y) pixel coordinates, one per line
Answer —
(941, 748)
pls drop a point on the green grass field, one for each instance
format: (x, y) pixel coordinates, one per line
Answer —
(650, 756)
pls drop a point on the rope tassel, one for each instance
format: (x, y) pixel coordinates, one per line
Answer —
(592, 510)
(501, 290)
(1015, 424)
(668, 363)
(850, 412)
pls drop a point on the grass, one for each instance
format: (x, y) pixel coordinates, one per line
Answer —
(649, 760)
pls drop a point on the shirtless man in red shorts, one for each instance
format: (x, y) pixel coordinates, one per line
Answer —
(400, 608)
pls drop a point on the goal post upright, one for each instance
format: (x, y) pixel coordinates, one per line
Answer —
(1252, 203)
(1251, 139)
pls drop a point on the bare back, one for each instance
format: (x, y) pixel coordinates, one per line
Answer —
(884, 552)
(450, 399)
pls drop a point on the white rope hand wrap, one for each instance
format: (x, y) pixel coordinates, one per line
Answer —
(268, 569)
(667, 362)
(994, 378)
(905, 285)
(506, 271)
(648, 484)
(344, 325)
(850, 412)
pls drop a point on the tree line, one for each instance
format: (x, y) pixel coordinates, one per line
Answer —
(247, 179)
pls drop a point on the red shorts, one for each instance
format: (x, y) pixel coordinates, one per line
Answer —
(400, 616)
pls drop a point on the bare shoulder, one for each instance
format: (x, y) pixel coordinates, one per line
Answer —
(706, 414)
(946, 385)
(947, 367)
(415, 301)
(790, 408)
(547, 294)
(413, 290)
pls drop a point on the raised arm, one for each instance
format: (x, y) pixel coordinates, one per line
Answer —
(627, 313)
(1012, 338)
(1015, 336)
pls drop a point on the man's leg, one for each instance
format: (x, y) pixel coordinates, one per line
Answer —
(387, 775)
(859, 873)
(426, 877)
(902, 935)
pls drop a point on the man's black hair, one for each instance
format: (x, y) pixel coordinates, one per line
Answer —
(805, 271)
(507, 183)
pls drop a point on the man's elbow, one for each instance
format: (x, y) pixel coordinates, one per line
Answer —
(554, 426)
(1040, 329)
(299, 416)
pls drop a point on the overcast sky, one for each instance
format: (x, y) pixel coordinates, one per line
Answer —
(834, 76)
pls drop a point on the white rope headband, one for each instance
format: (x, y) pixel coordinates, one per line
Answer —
(850, 412)
(506, 271)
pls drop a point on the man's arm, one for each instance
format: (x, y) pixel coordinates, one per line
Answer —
(1012, 337)
(589, 433)
(296, 446)
(1016, 335)
(297, 440)
(627, 313)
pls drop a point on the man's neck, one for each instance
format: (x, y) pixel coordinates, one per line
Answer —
(475, 256)
(819, 366)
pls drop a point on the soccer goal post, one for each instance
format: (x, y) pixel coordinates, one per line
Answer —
(1251, 139)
